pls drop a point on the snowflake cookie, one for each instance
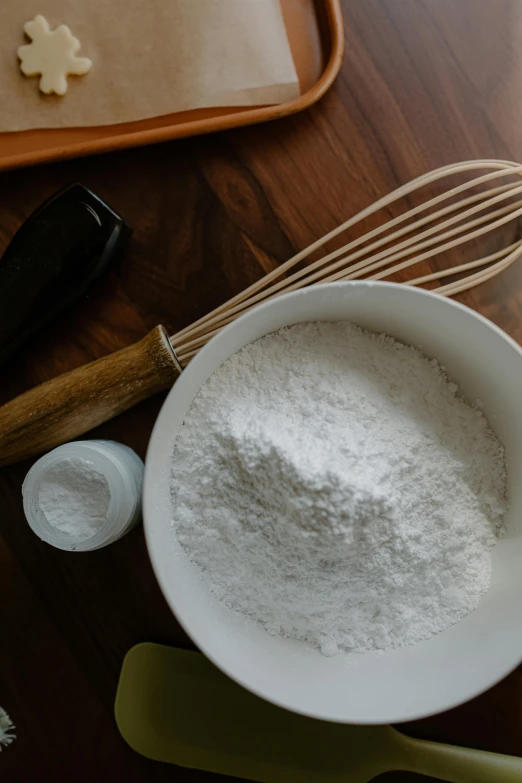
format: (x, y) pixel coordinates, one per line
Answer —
(52, 55)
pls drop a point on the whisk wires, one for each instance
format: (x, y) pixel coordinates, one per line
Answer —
(397, 244)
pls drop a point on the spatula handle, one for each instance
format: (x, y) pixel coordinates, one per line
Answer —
(461, 765)
(71, 404)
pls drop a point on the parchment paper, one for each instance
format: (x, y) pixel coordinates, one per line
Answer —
(150, 57)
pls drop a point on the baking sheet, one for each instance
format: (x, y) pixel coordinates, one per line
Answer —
(315, 32)
(151, 57)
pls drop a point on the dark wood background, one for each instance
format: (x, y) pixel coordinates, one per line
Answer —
(423, 83)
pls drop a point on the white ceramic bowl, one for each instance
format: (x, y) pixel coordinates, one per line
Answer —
(398, 685)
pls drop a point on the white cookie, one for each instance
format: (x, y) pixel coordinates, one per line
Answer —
(52, 55)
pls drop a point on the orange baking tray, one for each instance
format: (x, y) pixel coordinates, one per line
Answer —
(315, 32)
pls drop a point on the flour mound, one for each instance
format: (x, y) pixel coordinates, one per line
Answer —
(333, 485)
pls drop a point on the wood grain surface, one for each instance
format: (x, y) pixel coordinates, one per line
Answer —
(423, 83)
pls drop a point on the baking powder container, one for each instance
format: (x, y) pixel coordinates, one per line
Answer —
(122, 470)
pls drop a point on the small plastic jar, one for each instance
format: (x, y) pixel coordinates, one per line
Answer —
(116, 464)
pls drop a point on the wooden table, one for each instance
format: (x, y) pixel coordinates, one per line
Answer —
(423, 83)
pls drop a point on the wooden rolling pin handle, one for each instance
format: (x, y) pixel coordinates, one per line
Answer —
(71, 404)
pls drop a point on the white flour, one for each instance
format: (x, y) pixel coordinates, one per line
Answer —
(331, 484)
(74, 497)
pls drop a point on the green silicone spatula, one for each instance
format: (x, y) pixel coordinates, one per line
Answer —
(175, 706)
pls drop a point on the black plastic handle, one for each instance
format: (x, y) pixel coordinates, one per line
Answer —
(52, 261)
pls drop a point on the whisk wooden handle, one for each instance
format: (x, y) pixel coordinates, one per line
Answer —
(71, 404)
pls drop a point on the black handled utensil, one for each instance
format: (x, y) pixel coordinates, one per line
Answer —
(53, 260)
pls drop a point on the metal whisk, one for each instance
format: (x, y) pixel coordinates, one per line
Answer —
(402, 239)
(476, 207)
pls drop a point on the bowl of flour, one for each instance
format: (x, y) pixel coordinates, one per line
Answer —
(331, 505)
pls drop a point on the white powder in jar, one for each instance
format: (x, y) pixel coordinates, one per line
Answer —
(332, 484)
(74, 497)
